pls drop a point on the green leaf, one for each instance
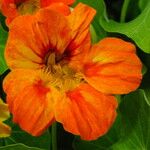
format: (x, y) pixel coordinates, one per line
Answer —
(18, 147)
(19, 136)
(99, 6)
(136, 122)
(146, 93)
(3, 39)
(145, 86)
(138, 29)
(143, 3)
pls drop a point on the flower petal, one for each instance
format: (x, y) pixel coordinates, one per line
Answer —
(29, 43)
(45, 3)
(4, 130)
(113, 67)
(86, 112)
(79, 21)
(4, 114)
(61, 8)
(30, 99)
(9, 10)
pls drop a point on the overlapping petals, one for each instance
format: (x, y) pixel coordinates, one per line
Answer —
(60, 75)
(24, 50)
(4, 114)
(13, 8)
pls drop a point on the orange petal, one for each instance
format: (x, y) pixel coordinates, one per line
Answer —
(86, 112)
(45, 3)
(79, 21)
(76, 57)
(113, 67)
(61, 8)
(8, 8)
(30, 99)
(28, 43)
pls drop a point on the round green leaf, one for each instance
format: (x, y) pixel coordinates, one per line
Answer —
(138, 29)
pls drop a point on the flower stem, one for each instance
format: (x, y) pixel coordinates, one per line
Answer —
(124, 10)
(54, 136)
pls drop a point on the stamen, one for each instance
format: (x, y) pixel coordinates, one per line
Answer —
(61, 75)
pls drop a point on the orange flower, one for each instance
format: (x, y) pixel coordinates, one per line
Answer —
(13, 8)
(57, 75)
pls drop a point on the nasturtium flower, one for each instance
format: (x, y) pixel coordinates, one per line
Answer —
(13, 8)
(57, 75)
(4, 114)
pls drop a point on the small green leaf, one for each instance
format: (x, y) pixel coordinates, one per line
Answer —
(138, 29)
(3, 39)
(18, 147)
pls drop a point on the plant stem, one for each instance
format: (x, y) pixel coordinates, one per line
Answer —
(124, 10)
(54, 136)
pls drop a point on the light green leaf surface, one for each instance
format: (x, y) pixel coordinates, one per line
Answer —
(138, 29)
(3, 39)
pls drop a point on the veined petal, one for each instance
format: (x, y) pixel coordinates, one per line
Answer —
(90, 112)
(79, 21)
(28, 44)
(31, 101)
(45, 3)
(113, 67)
